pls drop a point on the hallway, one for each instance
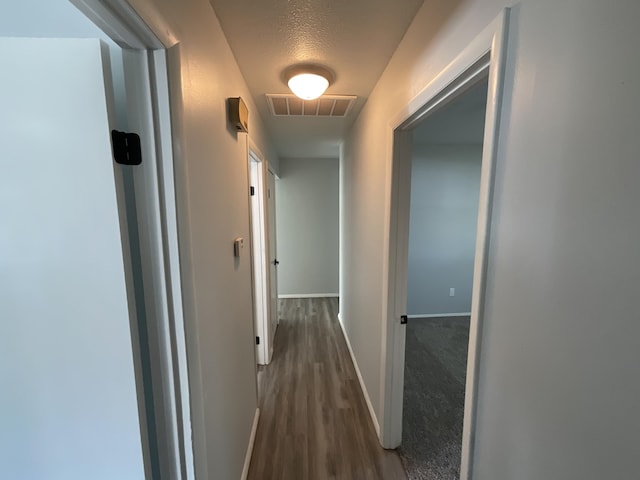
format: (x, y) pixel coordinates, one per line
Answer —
(314, 422)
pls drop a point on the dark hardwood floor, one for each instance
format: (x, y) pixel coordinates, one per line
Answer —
(314, 422)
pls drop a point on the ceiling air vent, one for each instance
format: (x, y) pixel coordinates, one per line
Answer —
(285, 105)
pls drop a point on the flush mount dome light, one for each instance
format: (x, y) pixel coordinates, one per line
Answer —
(308, 81)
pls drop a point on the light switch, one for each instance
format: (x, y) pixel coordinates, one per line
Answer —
(238, 245)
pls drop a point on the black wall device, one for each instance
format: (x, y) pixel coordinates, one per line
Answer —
(126, 148)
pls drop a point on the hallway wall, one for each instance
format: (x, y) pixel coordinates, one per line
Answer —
(213, 209)
(557, 397)
(308, 226)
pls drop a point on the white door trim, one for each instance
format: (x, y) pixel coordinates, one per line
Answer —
(259, 253)
(484, 56)
(169, 216)
(119, 20)
(155, 187)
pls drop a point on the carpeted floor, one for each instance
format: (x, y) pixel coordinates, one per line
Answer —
(434, 384)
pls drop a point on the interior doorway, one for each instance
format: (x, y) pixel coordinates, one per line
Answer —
(481, 60)
(260, 257)
(127, 273)
(445, 188)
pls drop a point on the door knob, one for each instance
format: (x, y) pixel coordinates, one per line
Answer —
(276, 262)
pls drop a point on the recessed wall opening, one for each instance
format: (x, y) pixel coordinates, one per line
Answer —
(445, 188)
(457, 189)
(108, 354)
(262, 257)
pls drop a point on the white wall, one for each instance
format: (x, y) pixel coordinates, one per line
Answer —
(60, 19)
(213, 209)
(68, 392)
(53, 19)
(558, 393)
(74, 407)
(308, 226)
(445, 187)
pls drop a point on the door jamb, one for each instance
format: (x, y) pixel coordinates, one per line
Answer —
(260, 256)
(485, 54)
(118, 20)
(122, 23)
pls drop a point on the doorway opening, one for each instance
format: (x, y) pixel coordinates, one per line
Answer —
(483, 60)
(260, 258)
(130, 340)
(445, 188)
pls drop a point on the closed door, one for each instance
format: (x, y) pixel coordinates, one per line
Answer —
(68, 405)
(273, 269)
(260, 257)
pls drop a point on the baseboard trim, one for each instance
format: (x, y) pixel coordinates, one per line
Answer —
(434, 315)
(309, 295)
(365, 392)
(252, 439)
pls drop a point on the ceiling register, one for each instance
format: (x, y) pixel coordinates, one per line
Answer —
(287, 105)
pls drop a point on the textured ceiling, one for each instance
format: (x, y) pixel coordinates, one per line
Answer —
(354, 38)
(460, 122)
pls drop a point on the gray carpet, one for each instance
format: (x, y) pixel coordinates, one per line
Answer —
(434, 385)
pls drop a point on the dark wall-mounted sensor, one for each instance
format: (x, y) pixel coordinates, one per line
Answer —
(126, 148)
(238, 114)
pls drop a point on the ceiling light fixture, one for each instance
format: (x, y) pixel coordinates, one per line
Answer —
(308, 81)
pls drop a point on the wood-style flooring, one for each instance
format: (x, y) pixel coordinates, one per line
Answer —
(314, 423)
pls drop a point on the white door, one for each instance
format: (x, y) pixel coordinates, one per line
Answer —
(68, 404)
(259, 260)
(273, 264)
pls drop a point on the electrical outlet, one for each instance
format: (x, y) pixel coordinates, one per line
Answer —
(452, 292)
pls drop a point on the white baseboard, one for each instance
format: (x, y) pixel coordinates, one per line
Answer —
(434, 315)
(252, 439)
(365, 392)
(309, 295)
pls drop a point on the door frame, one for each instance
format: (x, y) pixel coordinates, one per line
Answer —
(272, 241)
(156, 183)
(484, 57)
(260, 253)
